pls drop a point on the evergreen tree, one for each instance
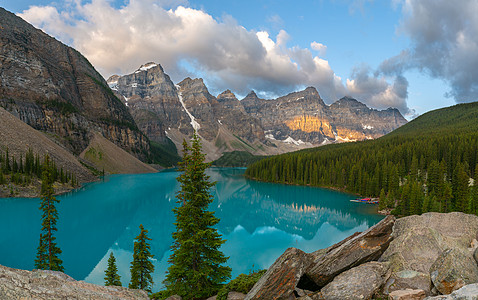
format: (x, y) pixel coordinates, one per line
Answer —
(48, 252)
(196, 270)
(111, 273)
(141, 266)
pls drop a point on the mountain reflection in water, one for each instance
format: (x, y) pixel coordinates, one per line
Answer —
(258, 220)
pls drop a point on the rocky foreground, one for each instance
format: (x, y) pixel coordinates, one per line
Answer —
(409, 258)
(432, 256)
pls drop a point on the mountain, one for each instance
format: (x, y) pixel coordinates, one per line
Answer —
(54, 89)
(299, 120)
(428, 164)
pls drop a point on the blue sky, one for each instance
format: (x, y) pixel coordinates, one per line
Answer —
(415, 55)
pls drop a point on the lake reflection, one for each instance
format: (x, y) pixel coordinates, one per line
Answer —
(258, 220)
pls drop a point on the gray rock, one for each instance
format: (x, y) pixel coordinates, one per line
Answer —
(175, 297)
(235, 296)
(364, 247)
(417, 243)
(453, 269)
(280, 280)
(407, 294)
(468, 292)
(475, 255)
(37, 284)
(361, 282)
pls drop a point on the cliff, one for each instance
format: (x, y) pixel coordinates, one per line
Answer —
(54, 89)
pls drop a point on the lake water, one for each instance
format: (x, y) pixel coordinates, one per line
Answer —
(258, 220)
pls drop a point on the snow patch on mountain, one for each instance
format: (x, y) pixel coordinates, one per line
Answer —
(194, 123)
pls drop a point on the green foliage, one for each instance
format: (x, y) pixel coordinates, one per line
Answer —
(21, 171)
(242, 284)
(196, 265)
(164, 154)
(141, 266)
(422, 166)
(236, 159)
(48, 252)
(111, 273)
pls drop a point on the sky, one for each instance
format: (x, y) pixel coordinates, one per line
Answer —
(415, 55)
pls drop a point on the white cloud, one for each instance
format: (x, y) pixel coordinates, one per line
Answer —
(322, 49)
(228, 55)
(443, 43)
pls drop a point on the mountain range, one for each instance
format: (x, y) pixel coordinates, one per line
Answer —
(113, 125)
(262, 127)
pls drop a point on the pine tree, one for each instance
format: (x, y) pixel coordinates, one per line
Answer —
(111, 273)
(196, 269)
(141, 266)
(48, 252)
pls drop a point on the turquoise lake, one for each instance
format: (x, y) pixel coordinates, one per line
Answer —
(258, 220)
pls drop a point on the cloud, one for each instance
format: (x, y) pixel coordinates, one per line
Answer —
(443, 44)
(322, 49)
(380, 94)
(190, 42)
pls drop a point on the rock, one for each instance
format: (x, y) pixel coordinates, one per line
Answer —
(235, 296)
(407, 294)
(176, 297)
(474, 244)
(452, 270)
(361, 282)
(417, 243)
(475, 255)
(468, 292)
(38, 284)
(282, 277)
(367, 246)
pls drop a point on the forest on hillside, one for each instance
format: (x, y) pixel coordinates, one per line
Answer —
(429, 164)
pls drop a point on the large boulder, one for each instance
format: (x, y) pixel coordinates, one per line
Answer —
(37, 284)
(452, 270)
(358, 283)
(364, 247)
(280, 280)
(468, 292)
(417, 243)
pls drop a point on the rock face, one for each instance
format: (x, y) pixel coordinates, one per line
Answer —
(296, 271)
(281, 279)
(419, 240)
(364, 247)
(50, 285)
(407, 294)
(468, 292)
(53, 88)
(298, 120)
(452, 270)
(392, 258)
(361, 282)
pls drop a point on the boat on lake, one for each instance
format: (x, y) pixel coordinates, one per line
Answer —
(366, 200)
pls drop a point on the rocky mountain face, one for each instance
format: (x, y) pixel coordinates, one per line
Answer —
(53, 88)
(298, 120)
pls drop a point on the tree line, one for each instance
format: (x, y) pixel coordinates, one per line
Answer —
(22, 170)
(429, 164)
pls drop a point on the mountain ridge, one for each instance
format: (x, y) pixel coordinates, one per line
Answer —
(294, 121)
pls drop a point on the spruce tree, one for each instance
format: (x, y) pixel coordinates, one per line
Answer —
(141, 266)
(48, 252)
(196, 270)
(111, 273)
